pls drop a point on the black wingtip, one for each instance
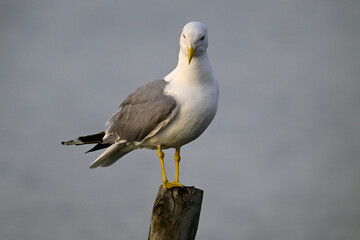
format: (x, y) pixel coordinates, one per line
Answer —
(99, 146)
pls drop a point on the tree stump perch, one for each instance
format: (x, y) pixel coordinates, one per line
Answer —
(176, 214)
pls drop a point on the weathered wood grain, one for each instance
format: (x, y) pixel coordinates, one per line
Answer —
(176, 214)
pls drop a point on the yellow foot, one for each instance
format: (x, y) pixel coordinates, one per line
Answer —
(168, 185)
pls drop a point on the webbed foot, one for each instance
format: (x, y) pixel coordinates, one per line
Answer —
(168, 185)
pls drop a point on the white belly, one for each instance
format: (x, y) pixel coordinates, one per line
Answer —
(197, 108)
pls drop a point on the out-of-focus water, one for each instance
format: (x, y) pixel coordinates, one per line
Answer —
(280, 160)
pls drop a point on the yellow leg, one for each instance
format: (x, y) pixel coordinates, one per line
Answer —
(166, 183)
(161, 157)
(177, 161)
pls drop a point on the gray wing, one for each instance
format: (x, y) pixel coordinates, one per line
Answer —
(145, 110)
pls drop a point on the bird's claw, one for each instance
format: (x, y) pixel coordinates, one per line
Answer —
(168, 185)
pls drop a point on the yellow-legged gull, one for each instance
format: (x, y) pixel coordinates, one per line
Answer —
(166, 113)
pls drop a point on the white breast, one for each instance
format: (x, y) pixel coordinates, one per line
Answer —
(197, 101)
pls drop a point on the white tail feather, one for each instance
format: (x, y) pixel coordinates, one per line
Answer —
(73, 142)
(112, 154)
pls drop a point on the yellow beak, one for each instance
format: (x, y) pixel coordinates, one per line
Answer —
(191, 52)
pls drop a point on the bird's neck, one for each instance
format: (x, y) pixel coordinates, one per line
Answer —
(197, 72)
(197, 62)
(199, 66)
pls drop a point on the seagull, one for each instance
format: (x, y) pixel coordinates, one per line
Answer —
(165, 113)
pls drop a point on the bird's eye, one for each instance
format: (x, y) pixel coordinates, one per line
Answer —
(184, 36)
(203, 37)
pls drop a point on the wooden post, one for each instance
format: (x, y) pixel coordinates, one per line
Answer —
(176, 214)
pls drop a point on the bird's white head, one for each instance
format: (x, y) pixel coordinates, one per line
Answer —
(194, 40)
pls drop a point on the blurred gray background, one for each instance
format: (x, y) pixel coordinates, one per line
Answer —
(280, 161)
